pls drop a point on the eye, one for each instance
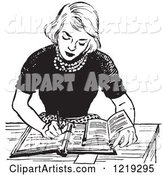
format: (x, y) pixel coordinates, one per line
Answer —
(82, 43)
(65, 37)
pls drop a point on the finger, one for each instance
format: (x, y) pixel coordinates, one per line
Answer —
(117, 141)
(135, 138)
(56, 127)
(64, 129)
(115, 136)
(122, 140)
(53, 129)
(58, 130)
(125, 142)
(55, 134)
(131, 138)
(45, 129)
(50, 135)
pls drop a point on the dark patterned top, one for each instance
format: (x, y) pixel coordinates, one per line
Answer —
(99, 71)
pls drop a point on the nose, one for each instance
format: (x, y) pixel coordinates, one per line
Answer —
(72, 46)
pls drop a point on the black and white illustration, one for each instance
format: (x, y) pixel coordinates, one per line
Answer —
(67, 76)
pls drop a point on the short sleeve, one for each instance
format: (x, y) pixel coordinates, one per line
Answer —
(29, 69)
(115, 84)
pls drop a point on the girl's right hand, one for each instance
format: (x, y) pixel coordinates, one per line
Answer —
(51, 130)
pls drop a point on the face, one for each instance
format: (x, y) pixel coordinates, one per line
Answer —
(72, 42)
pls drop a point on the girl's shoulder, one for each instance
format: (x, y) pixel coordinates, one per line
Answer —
(101, 56)
(39, 57)
(104, 61)
(47, 50)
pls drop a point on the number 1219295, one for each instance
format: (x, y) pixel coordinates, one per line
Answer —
(133, 168)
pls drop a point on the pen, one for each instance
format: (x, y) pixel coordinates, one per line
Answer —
(62, 150)
(58, 120)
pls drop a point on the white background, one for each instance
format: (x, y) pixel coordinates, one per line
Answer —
(136, 50)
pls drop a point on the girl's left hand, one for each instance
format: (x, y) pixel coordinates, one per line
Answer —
(125, 137)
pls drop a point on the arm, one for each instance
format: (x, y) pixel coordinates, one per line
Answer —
(120, 99)
(21, 106)
(128, 136)
(125, 103)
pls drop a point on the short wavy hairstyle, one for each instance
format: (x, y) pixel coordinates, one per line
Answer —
(81, 15)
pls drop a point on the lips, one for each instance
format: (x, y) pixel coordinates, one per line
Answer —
(69, 54)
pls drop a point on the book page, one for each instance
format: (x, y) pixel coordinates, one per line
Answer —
(32, 142)
(118, 122)
(77, 143)
(35, 141)
(96, 132)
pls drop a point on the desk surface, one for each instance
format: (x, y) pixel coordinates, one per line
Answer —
(146, 144)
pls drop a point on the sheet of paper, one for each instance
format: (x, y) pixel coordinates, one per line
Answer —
(86, 159)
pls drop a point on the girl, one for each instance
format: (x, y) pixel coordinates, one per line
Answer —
(66, 73)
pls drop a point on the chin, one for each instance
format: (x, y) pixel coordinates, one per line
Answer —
(68, 58)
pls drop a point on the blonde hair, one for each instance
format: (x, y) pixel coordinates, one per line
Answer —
(81, 16)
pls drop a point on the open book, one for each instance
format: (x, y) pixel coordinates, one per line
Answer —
(94, 137)
(102, 132)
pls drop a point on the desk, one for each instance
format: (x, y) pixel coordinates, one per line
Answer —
(144, 150)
